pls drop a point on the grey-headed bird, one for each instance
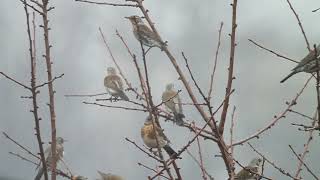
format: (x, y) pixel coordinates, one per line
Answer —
(308, 64)
(143, 33)
(109, 176)
(48, 155)
(153, 135)
(172, 101)
(246, 173)
(114, 85)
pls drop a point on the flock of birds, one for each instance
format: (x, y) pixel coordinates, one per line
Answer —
(151, 133)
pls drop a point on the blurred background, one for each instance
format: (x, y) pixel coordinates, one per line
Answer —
(96, 135)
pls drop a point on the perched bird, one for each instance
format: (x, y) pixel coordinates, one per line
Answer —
(246, 173)
(114, 85)
(172, 101)
(78, 178)
(48, 155)
(153, 135)
(109, 176)
(144, 34)
(308, 64)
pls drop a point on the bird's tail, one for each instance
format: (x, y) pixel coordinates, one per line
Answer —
(123, 96)
(287, 77)
(39, 175)
(170, 151)
(178, 117)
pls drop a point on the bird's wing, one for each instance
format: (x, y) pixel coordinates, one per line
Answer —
(113, 82)
(171, 100)
(145, 30)
(177, 102)
(309, 57)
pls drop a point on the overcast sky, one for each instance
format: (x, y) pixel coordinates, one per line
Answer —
(96, 135)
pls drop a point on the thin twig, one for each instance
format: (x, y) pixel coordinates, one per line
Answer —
(23, 158)
(149, 168)
(273, 52)
(276, 119)
(300, 25)
(304, 164)
(15, 81)
(116, 107)
(215, 63)
(141, 149)
(108, 4)
(55, 78)
(306, 146)
(272, 163)
(21, 146)
(198, 163)
(85, 95)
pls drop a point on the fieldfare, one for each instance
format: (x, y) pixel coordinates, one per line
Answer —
(109, 176)
(114, 85)
(144, 34)
(172, 101)
(48, 155)
(153, 136)
(308, 64)
(246, 173)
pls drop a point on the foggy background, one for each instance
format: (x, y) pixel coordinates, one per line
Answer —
(96, 135)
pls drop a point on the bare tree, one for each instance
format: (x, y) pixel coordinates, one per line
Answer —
(213, 126)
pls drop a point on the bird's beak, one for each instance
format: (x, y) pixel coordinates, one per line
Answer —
(65, 140)
(127, 17)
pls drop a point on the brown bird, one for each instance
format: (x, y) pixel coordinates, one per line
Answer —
(308, 64)
(109, 176)
(153, 135)
(172, 101)
(144, 34)
(114, 85)
(246, 173)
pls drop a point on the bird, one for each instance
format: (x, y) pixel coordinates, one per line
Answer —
(78, 178)
(109, 176)
(152, 136)
(114, 85)
(308, 64)
(246, 173)
(172, 101)
(48, 155)
(144, 34)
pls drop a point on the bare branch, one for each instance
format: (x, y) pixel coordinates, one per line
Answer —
(272, 163)
(300, 25)
(21, 146)
(276, 119)
(215, 63)
(15, 81)
(273, 52)
(108, 4)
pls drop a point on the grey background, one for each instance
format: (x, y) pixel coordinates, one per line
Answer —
(96, 135)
